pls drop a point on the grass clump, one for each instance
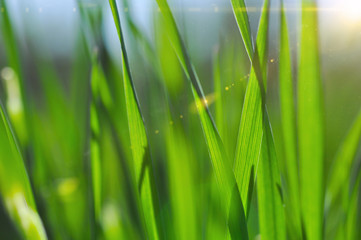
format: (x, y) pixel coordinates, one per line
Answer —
(122, 144)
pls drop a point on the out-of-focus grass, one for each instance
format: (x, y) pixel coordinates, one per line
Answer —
(126, 147)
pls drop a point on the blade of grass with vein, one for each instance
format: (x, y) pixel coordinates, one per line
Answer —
(255, 140)
(216, 151)
(310, 125)
(288, 115)
(15, 187)
(250, 130)
(223, 172)
(138, 138)
(270, 202)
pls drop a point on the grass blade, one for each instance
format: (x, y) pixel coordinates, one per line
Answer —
(182, 186)
(310, 125)
(16, 109)
(223, 172)
(138, 139)
(337, 196)
(288, 115)
(15, 187)
(240, 13)
(250, 130)
(270, 202)
(341, 170)
(352, 230)
(215, 147)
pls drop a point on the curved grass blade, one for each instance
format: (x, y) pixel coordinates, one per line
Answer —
(139, 145)
(288, 115)
(222, 170)
(310, 125)
(17, 108)
(15, 187)
(250, 130)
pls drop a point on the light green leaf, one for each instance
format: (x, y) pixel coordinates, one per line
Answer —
(15, 187)
(16, 105)
(222, 171)
(250, 130)
(270, 202)
(240, 13)
(138, 139)
(310, 125)
(288, 115)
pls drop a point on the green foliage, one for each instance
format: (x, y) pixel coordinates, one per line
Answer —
(122, 144)
(310, 126)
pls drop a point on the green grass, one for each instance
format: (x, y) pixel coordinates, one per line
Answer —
(151, 142)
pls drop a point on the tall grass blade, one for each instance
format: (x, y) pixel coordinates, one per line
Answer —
(138, 139)
(250, 130)
(270, 202)
(182, 186)
(15, 187)
(223, 172)
(288, 115)
(310, 125)
(15, 102)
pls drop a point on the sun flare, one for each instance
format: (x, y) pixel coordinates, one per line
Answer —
(351, 9)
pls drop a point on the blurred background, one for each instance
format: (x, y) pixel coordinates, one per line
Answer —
(53, 39)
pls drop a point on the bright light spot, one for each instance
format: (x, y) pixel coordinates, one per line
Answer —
(74, 9)
(156, 131)
(40, 10)
(351, 9)
(27, 10)
(7, 73)
(227, 88)
(67, 186)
